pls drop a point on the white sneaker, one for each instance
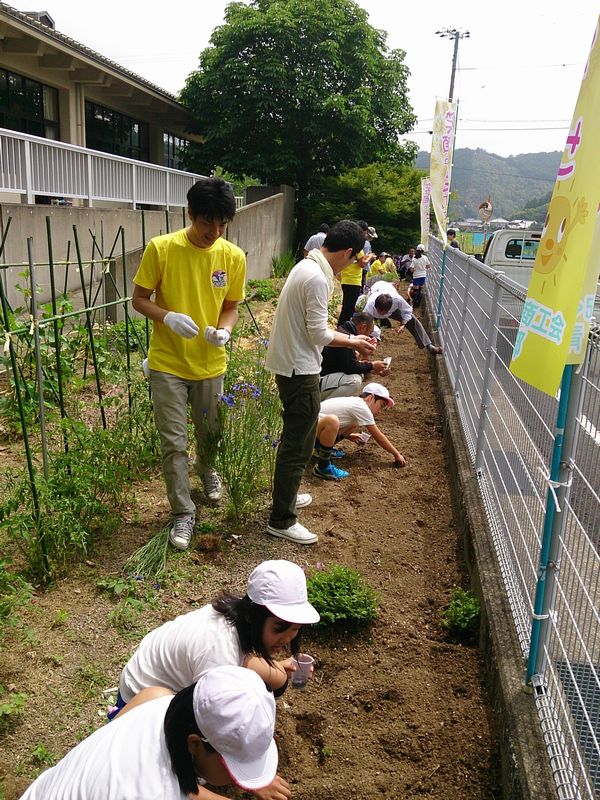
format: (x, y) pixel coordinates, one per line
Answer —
(182, 530)
(303, 500)
(212, 484)
(295, 533)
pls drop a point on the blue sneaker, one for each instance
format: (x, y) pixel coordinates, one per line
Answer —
(336, 452)
(330, 473)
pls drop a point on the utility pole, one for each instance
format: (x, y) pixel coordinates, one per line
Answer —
(456, 34)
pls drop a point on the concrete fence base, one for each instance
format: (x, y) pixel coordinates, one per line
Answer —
(525, 767)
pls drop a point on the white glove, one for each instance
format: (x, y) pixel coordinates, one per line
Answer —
(217, 336)
(181, 324)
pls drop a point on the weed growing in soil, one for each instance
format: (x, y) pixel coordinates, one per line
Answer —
(262, 290)
(42, 757)
(149, 562)
(11, 706)
(15, 592)
(340, 595)
(132, 597)
(461, 615)
(283, 263)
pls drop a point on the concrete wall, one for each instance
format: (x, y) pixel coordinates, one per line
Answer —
(262, 229)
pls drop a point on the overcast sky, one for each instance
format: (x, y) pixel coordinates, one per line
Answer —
(518, 73)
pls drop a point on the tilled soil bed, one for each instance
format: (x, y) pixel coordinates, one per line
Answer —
(398, 711)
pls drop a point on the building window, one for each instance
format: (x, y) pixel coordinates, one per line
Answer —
(28, 106)
(174, 150)
(112, 132)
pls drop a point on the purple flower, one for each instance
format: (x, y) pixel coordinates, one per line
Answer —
(228, 399)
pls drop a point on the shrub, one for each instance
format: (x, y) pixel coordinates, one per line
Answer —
(341, 596)
(283, 263)
(461, 615)
(262, 290)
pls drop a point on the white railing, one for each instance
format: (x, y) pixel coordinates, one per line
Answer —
(30, 165)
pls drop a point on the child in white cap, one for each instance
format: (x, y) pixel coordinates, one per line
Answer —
(217, 731)
(244, 631)
(342, 418)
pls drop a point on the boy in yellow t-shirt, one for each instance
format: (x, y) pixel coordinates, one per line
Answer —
(197, 279)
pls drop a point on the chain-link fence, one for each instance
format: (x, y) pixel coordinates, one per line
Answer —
(546, 531)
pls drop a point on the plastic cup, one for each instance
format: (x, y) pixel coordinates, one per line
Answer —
(303, 663)
(364, 438)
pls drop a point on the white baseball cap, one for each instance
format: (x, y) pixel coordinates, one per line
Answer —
(281, 587)
(420, 247)
(379, 391)
(236, 714)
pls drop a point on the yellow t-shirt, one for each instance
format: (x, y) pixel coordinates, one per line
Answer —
(352, 274)
(194, 281)
(377, 268)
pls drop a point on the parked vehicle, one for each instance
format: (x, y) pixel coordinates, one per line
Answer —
(512, 252)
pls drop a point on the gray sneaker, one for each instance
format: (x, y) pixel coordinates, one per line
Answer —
(182, 530)
(212, 484)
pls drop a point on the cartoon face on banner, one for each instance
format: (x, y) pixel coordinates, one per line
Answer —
(556, 314)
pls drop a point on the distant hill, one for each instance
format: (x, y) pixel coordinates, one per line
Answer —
(514, 183)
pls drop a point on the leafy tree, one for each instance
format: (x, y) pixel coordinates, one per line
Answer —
(386, 195)
(291, 90)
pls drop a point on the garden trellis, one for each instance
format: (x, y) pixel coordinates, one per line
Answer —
(60, 342)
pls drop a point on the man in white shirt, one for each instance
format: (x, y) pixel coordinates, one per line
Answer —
(342, 418)
(300, 331)
(316, 240)
(385, 302)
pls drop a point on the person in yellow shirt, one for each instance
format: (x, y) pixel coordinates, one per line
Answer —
(351, 280)
(382, 264)
(197, 279)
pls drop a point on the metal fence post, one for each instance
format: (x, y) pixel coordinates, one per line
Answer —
(438, 317)
(491, 337)
(461, 335)
(559, 481)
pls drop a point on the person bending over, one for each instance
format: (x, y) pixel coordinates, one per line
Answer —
(385, 302)
(342, 418)
(217, 731)
(342, 372)
(245, 631)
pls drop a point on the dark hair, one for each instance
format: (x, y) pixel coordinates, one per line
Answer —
(211, 198)
(343, 235)
(248, 618)
(180, 722)
(362, 318)
(451, 232)
(364, 226)
(383, 302)
(323, 228)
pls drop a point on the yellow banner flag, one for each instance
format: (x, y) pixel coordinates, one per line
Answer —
(560, 301)
(440, 162)
(425, 206)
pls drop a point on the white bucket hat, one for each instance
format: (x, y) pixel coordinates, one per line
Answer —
(281, 587)
(236, 714)
(379, 391)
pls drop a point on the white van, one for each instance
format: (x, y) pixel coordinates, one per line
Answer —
(513, 252)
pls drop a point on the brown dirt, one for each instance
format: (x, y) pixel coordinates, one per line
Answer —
(398, 712)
